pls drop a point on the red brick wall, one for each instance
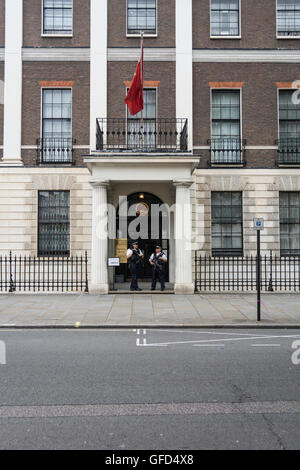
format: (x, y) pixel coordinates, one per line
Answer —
(259, 103)
(33, 26)
(258, 30)
(164, 72)
(2, 23)
(117, 25)
(33, 72)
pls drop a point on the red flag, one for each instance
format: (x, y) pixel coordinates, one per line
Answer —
(135, 98)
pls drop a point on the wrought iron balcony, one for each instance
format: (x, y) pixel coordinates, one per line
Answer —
(135, 135)
(227, 151)
(55, 150)
(288, 151)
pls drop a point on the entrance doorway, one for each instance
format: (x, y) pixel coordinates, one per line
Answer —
(148, 216)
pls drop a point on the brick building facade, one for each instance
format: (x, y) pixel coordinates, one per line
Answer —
(221, 128)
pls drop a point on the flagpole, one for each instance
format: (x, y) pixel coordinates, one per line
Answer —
(142, 115)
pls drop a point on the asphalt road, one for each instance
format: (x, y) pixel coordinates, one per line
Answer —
(154, 389)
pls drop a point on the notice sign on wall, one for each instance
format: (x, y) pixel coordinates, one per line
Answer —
(121, 249)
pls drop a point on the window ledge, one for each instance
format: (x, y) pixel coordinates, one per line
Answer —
(56, 35)
(150, 35)
(225, 37)
(287, 37)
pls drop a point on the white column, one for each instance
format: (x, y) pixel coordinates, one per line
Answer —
(184, 64)
(99, 280)
(98, 66)
(12, 130)
(183, 238)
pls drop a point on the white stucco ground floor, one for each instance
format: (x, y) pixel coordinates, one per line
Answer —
(95, 199)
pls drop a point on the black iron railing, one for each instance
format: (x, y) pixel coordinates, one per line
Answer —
(288, 151)
(149, 135)
(227, 151)
(33, 274)
(224, 273)
(55, 150)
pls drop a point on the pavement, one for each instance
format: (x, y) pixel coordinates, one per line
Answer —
(148, 310)
(150, 389)
(122, 310)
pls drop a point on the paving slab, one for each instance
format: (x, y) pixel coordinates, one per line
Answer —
(65, 310)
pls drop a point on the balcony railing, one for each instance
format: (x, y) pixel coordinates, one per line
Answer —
(288, 151)
(55, 150)
(227, 151)
(149, 135)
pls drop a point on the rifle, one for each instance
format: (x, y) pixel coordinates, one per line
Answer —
(158, 264)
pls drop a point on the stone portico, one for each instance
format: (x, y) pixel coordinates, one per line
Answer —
(167, 176)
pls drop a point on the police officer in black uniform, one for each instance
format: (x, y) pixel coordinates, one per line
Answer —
(158, 261)
(134, 257)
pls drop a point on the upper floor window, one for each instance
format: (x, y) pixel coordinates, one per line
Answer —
(226, 145)
(141, 16)
(288, 18)
(289, 128)
(225, 18)
(57, 17)
(57, 125)
(147, 127)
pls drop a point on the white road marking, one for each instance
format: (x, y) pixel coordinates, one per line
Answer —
(265, 345)
(222, 339)
(212, 333)
(209, 345)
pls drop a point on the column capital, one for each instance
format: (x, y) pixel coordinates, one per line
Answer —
(99, 183)
(184, 183)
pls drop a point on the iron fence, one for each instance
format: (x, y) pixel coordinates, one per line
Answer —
(43, 274)
(135, 135)
(55, 150)
(226, 273)
(227, 151)
(288, 151)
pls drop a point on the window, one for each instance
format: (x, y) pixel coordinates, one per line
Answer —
(289, 128)
(141, 16)
(225, 18)
(226, 127)
(289, 205)
(57, 17)
(54, 223)
(57, 125)
(149, 123)
(288, 18)
(227, 223)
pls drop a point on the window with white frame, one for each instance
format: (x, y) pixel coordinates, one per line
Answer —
(141, 16)
(289, 128)
(288, 18)
(289, 205)
(56, 125)
(58, 17)
(227, 223)
(135, 124)
(225, 18)
(226, 145)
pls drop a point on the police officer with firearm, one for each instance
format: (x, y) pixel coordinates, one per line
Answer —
(158, 261)
(134, 257)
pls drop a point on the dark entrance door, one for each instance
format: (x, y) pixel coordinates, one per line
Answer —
(140, 205)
